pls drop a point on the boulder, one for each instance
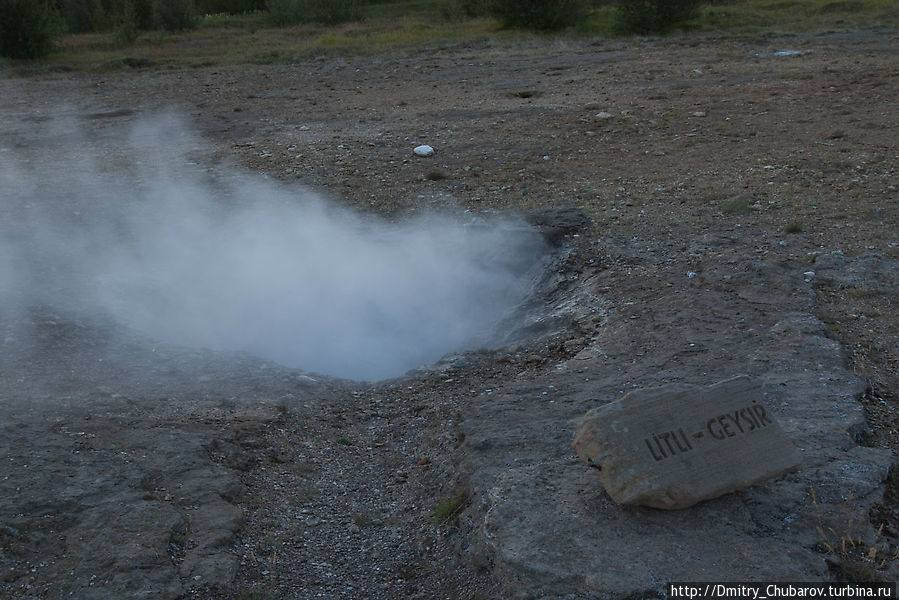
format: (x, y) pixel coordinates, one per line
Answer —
(673, 446)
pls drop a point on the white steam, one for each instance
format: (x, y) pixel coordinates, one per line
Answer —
(240, 263)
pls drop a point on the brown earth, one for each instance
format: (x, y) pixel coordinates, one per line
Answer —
(693, 157)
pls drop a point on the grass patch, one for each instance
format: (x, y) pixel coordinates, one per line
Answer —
(758, 16)
(433, 9)
(253, 20)
(655, 16)
(249, 39)
(849, 557)
(247, 593)
(601, 21)
(448, 509)
(404, 26)
(794, 228)
(736, 207)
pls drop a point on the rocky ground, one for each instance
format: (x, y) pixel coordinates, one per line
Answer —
(723, 206)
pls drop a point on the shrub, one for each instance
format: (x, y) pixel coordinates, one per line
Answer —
(291, 12)
(125, 24)
(143, 14)
(233, 7)
(286, 12)
(539, 14)
(476, 8)
(83, 16)
(28, 28)
(174, 15)
(654, 16)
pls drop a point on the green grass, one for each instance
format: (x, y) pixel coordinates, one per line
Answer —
(767, 16)
(736, 207)
(397, 9)
(449, 508)
(246, 593)
(248, 39)
(601, 21)
(410, 26)
(253, 20)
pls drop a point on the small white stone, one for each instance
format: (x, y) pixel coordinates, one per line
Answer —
(604, 116)
(423, 150)
(691, 274)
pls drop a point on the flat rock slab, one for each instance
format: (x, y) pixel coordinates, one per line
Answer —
(870, 272)
(544, 525)
(673, 446)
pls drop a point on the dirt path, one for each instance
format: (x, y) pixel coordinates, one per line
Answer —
(140, 470)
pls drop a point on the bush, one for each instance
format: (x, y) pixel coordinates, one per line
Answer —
(540, 14)
(28, 28)
(291, 12)
(232, 7)
(476, 8)
(174, 15)
(83, 16)
(118, 16)
(654, 16)
(143, 14)
(125, 24)
(286, 12)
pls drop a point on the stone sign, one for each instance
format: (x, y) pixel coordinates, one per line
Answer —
(674, 446)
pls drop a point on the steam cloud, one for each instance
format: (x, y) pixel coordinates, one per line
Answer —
(237, 262)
